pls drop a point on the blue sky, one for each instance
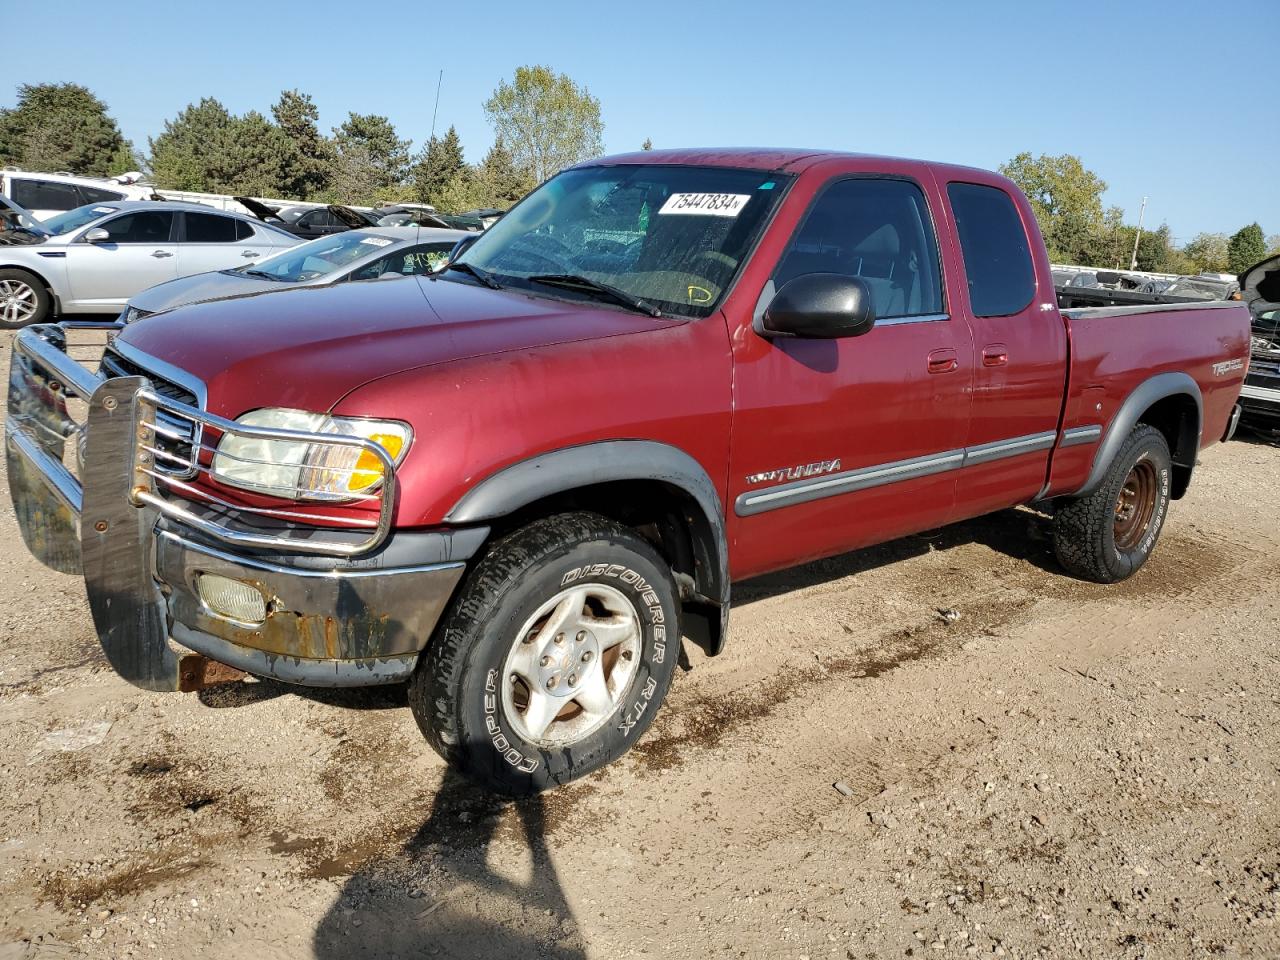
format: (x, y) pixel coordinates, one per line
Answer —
(1144, 92)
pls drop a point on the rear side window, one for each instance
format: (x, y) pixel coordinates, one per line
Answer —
(875, 229)
(208, 228)
(45, 195)
(142, 227)
(243, 230)
(997, 258)
(95, 195)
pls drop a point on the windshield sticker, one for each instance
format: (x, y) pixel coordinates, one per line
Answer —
(377, 241)
(104, 209)
(766, 186)
(706, 204)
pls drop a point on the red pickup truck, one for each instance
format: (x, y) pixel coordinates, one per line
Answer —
(518, 483)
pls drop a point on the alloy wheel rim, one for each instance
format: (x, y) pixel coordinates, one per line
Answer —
(17, 301)
(1135, 505)
(571, 664)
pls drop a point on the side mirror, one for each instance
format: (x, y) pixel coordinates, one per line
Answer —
(461, 247)
(97, 235)
(820, 306)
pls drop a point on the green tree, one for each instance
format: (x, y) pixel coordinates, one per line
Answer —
(370, 146)
(260, 157)
(439, 162)
(1245, 248)
(1208, 252)
(62, 126)
(503, 182)
(1067, 200)
(196, 149)
(546, 120)
(309, 160)
(1273, 244)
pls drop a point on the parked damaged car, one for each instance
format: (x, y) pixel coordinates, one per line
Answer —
(1260, 395)
(316, 222)
(380, 253)
(92, 259)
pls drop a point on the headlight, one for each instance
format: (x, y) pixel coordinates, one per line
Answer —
(297, 470)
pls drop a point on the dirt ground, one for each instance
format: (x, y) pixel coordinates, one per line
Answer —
(1064, 769)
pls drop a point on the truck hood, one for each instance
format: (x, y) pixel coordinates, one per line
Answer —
(201, 287)
(307, 347)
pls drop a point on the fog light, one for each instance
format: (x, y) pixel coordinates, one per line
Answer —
(233, 599)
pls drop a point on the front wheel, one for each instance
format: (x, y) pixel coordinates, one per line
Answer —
(557, 652)
(23, 299)
(1108, 535)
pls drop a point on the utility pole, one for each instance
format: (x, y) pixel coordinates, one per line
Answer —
(1133, 262)
(439, 81)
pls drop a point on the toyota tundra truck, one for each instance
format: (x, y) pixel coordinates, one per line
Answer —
(517, 484)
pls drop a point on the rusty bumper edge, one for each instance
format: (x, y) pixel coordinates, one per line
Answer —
(368, 672)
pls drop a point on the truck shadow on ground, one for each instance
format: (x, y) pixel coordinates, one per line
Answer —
(475, 880)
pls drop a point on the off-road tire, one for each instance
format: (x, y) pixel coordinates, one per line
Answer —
(455, 693)
(43, 299)
(1085, 529)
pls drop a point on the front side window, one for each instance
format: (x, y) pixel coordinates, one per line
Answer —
(210, 228)
(45, 195)
(997, 258)
(672, 236)
(141, 227)
(875, 229)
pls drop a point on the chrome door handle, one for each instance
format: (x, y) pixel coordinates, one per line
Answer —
(995, 355)
(248, 253)
(943, 361)
(161, 254)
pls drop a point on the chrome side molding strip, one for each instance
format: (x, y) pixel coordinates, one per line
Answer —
(803, 491)
(1078, 435)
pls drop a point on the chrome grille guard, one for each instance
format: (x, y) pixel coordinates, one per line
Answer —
(44, 376)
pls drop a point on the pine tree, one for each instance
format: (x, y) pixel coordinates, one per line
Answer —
(1245, 248)
(440, 162)
(309, 162)
(503, 183)
(62, 126)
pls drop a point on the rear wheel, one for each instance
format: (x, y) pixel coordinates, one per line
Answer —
(23, 299)
(553, 661)
(1108, 535)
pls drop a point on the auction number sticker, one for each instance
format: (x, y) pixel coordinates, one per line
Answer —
(377, 241)
(706, 204)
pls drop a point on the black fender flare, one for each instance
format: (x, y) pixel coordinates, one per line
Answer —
(1146, 394)
(572, 468)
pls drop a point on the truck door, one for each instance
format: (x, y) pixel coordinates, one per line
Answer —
(843, 442)
(1020, 349)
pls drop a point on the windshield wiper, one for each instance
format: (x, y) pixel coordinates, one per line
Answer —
(574, 281)
(263, 274)
(481, 275)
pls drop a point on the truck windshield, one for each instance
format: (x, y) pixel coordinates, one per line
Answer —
(671, 236)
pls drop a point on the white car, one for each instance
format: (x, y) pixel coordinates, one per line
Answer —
(45, 195)
(92, 259)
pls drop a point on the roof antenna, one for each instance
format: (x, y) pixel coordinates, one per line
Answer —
(439, 81)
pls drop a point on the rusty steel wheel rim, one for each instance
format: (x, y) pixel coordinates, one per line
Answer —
(1136, 505)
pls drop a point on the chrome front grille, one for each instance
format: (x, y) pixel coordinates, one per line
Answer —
(177, 439)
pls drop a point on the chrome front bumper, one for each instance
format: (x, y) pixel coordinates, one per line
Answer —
(345, 606)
